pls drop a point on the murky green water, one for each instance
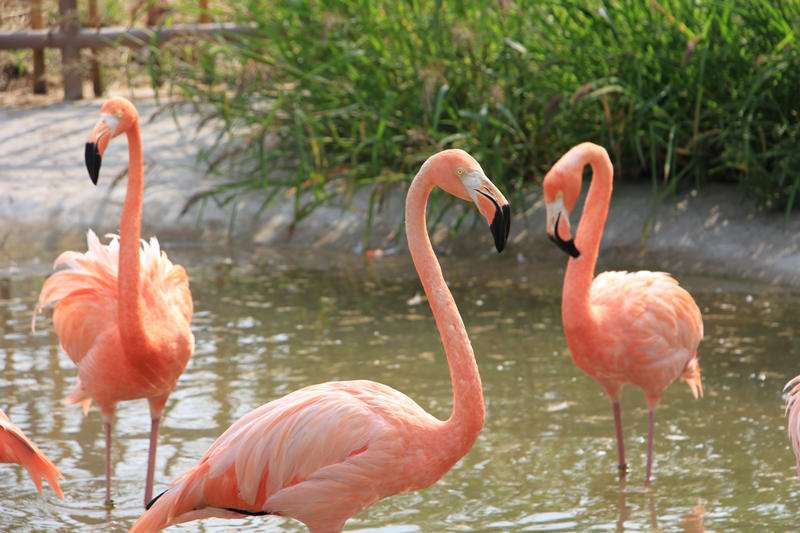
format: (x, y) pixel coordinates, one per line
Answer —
(268, 324)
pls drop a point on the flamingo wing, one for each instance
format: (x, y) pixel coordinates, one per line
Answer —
(84, 294)
(651, 327)
(15, 447)
(320, 453)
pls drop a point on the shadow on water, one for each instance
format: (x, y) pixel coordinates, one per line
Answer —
(268, 323)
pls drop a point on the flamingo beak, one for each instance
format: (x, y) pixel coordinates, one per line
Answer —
(494, 207)
(555, 211)
(93, 159)
(99, 138)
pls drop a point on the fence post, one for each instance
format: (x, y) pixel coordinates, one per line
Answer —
(70, 53)
(205, 18)
(39, 83)
(97, 75)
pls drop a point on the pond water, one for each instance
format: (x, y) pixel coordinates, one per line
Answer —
(267, 323)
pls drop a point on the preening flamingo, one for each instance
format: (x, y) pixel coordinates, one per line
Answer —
(122, 310)
(638, 328)
(323, 453)
(15, 447)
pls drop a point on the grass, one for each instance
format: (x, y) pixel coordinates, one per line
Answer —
(328, 95)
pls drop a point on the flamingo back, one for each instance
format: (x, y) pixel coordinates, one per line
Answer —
(319, 455)
(15, 447)
(649, 329)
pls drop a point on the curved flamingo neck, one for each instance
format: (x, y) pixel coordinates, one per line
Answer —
(129, 303)
(580, 271)
(466, 419)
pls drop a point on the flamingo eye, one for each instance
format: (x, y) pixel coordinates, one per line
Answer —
(460, 171)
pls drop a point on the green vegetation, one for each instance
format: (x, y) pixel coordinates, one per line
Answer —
(330, 94)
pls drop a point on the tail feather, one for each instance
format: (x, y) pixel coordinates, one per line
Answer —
(38, 467)
(793, 413)
(19, 449)
(691, 375)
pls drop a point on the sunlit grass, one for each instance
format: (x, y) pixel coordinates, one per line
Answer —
(330, 94)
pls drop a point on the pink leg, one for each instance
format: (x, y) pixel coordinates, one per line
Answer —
(650, 417)
(156, 407)
(623, 467)
(623, 513)
(107, 421)
(151, 460)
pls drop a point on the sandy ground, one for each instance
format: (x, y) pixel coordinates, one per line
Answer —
(47, 200)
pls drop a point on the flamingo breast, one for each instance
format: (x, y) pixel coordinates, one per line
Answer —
(85, 297)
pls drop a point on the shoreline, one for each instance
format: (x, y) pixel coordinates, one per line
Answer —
(47, 201)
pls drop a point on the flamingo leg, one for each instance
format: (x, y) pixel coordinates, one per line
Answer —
(623, 467)
(151, 459)
(650, 425)
(107, 427)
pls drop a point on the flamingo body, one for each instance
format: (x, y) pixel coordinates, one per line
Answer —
(122, 310)
(646, 334)
(16, 448)
(793, 413)
(85, 299)
(325, 452)
(638, 328)
(320, 455)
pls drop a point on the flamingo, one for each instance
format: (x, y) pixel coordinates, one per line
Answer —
(122, 310)
(793, 412)
(323, 453)
(638, 328)
(15, 447)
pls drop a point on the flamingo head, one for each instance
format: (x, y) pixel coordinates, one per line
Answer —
(116, 116)
(562, 186)
(459, 174)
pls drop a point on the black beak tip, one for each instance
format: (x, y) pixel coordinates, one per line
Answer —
(151, 502)
(507, 217)
(501, 226)
(572, 250)
(500, 245)
(567, 247)
(93, 160)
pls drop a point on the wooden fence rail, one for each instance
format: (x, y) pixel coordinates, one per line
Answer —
(71, 38)
(113, 36)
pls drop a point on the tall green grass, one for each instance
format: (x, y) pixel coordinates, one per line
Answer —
(330, 94)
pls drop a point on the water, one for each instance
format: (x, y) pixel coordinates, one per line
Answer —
(269, 323)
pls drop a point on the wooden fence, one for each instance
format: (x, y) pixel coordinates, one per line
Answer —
(70, 37)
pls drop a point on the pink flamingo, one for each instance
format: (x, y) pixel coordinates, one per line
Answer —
(15, 447)
(793, 412)
(122, 310)
(323, 453)
(639, 328)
